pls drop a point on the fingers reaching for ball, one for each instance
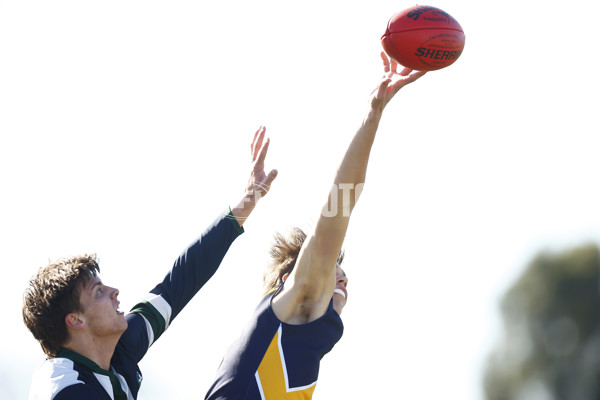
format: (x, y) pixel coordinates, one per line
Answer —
(386, 62)
(406, 71)
(392, 81)
(390, 69)
(390, 66)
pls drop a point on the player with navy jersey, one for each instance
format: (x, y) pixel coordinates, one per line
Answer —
(92, 348)
(277, 357)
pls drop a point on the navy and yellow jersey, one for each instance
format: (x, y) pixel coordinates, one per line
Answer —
(71, 376)
(273, 360)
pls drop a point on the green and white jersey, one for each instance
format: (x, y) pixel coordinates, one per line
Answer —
(71, 376)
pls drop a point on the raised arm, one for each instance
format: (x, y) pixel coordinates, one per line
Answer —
(198, 263)
(309, 289)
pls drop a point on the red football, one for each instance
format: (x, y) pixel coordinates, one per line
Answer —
(423, 38)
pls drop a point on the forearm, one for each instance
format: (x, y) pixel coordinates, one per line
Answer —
(194, 267)
(244, 207)
(351, 173)
(354, 164)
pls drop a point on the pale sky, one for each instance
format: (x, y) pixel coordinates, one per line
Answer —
(125, 129)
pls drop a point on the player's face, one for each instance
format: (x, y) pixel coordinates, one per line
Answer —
(100, 307)
(340, 295)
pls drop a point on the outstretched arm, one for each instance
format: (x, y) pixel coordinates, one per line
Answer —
(309, 289)
(197, 264)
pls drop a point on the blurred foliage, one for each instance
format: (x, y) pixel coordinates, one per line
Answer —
(550, 349)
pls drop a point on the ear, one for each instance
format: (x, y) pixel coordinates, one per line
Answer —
(285, 276)
(74, 322)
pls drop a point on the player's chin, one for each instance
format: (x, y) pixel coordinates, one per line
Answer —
(338, 305)
(123, 325)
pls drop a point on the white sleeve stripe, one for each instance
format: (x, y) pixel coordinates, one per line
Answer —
(161, 306)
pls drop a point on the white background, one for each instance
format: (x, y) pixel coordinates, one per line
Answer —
(125, 128)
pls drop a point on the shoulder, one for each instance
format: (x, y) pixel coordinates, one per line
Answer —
(52, 377)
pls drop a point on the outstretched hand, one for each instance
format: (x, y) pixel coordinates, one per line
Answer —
(392, 81)
(259, 182)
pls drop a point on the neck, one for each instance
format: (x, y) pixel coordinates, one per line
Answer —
(98, 350)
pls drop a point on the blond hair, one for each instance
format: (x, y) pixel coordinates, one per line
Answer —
(284, 253)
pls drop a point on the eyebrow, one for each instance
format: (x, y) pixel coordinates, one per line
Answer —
(97, 283)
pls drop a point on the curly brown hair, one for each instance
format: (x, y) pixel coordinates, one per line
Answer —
(284, 253)
(53, 293)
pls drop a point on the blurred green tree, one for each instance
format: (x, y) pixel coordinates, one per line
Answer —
(550, 349)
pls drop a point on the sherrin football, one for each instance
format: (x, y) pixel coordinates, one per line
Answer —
(423, 38)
